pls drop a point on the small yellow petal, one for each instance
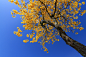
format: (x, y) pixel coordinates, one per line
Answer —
(83, 3)
(11, 13)
(19, 6)
(45, 49)
(81, 28)
(33, 38)
(76, 33)
(58, 39)
(46, 41)
(13, 16)
(17, 27)
(12, 1)
(27, 35)
(33, 41)
(14, 32)
(25, 41)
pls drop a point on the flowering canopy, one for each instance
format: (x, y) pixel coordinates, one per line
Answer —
(33, 12)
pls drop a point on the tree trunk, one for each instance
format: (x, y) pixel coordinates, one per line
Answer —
(76, 45)
(69, 41)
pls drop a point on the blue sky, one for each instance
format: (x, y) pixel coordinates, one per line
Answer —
(13, 46)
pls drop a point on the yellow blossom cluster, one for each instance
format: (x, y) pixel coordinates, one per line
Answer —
(66, 11)
(25, 41)
(18, 32)
(15, 2)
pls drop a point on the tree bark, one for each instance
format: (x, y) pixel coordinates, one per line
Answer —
(74, 44)
(69, 41)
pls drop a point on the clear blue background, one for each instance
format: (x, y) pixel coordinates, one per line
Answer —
(13, 46)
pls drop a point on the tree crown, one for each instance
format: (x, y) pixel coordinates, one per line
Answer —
(43, 16)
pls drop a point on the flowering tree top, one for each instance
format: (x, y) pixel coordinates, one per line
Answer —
(43, 16)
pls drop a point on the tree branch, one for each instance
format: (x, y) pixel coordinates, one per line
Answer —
(54, 10)
(45, 6)
(69, 41)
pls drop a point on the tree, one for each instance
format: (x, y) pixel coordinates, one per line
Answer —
(48, 18)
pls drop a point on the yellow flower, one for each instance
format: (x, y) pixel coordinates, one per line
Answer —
(16, 2)
(18, 34)
(25, 41)
(77, 27)
(83, 12)
(79, 8)
(46, 41)
(80, 4)
(37, 37)
(75, 4)
(45, 49)
(27, 35)
(11, 13)
(14, 32)
(33, 41)
(13, 16)
(23, 2)
(31, 5)
(83, 3)
(76, 33)
(76, 12)
(74, 22)
(31, 35)
(26, 28)
(68, 26)
(17, 27)
(19, 30)
(81, 28)
(23, 23)
(15, 11)
(52, 39)
(58, 40)
(73, 27)
(32, 10)
(12, 1)
(19, 6)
